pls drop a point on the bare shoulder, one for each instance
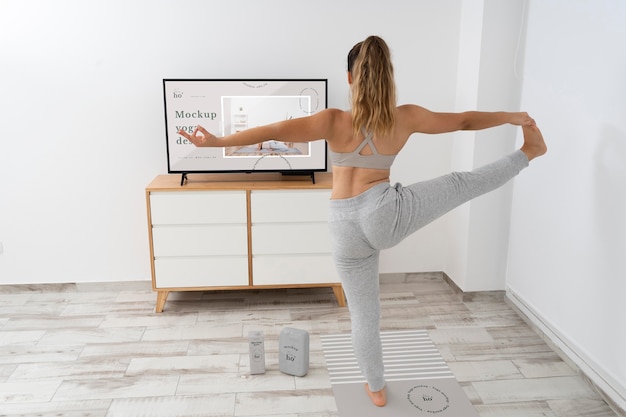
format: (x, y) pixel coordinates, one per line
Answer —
(338, 125)
(333, 114)
(336, 119)
(412, 111)
(410, 117)
(333, 110)
(414, 119)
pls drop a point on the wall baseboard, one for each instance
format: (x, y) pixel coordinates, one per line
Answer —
(607, 387)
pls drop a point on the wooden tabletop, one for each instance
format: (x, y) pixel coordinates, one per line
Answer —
(240, 181)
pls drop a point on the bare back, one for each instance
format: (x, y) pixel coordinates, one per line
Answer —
(351, 181)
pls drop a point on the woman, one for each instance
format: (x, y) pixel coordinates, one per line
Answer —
(366, 213)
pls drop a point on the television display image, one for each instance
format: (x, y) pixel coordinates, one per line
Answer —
(225, 106)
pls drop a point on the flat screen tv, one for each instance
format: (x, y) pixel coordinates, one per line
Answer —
(225, 106)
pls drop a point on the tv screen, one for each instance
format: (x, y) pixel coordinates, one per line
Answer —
(226, 106)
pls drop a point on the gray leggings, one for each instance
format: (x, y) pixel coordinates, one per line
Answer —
(380, 218)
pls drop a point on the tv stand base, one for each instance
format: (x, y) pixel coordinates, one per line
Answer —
(307, 173)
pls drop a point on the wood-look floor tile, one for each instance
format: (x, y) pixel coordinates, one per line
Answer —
(37, 288)
(135, 349)
(207, 332)
(78, 369)
(99, 308)
(484, 370)
(148, 320)
(533, 389)
(217, 346)
(471, 393)
(100, 350)
(489, 319)
(76, 297)
(516, 409)
(30, 353)
(218, 405)
(110, 388)
(28, 391)
(32, 310)
(207, 383)
(84, 336)
(113, 286)
(398, 298)
(460, 336)
(270, 329)
(6, 371)
(180, 365)
(261, 403)
(244, 316)
(11, 299)
(583, 407)
(188, 297)
(325, 314)
(135, 297)
(308, 297)
(19, 337)
(51, 322)
(544, 367)
(487, 351)
(512, 332)
(80, 408)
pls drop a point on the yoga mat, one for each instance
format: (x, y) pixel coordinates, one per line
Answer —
(419, 382)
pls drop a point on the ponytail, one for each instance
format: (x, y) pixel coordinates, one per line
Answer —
(373, 90)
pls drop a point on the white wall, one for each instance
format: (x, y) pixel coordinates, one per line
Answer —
(81, 113)
(470, 243)
(490, 55)
(567, 258)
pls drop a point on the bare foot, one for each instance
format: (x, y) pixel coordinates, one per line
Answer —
(534, 144)
(379, 398)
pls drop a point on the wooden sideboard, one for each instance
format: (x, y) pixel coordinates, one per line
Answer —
(239, 231)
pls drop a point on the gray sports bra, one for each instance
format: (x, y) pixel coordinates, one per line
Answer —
(355, 159)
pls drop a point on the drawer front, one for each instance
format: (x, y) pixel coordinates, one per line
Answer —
(200, 240)
(198, 207)
(293, 269)
(201, 272)
(278, 206)
(294, 238)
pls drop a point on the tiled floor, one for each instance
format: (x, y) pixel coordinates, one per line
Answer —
(100, 350)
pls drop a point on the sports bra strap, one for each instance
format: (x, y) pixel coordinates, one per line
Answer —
(355, 159)
(366, 141)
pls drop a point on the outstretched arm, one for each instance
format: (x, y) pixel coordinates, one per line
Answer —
(421, 120)
(303, 129)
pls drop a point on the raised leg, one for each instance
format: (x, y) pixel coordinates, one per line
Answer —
(534, 145)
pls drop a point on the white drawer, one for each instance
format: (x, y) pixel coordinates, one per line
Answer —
(201, 272)
(291, 238)
(201, 207)
(293, 269)
(289, 206)
(200, 240)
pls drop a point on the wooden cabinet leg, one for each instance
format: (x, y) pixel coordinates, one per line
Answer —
(341, 297)
(161, 299)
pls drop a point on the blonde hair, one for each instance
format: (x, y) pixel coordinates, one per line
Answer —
(373, 89)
